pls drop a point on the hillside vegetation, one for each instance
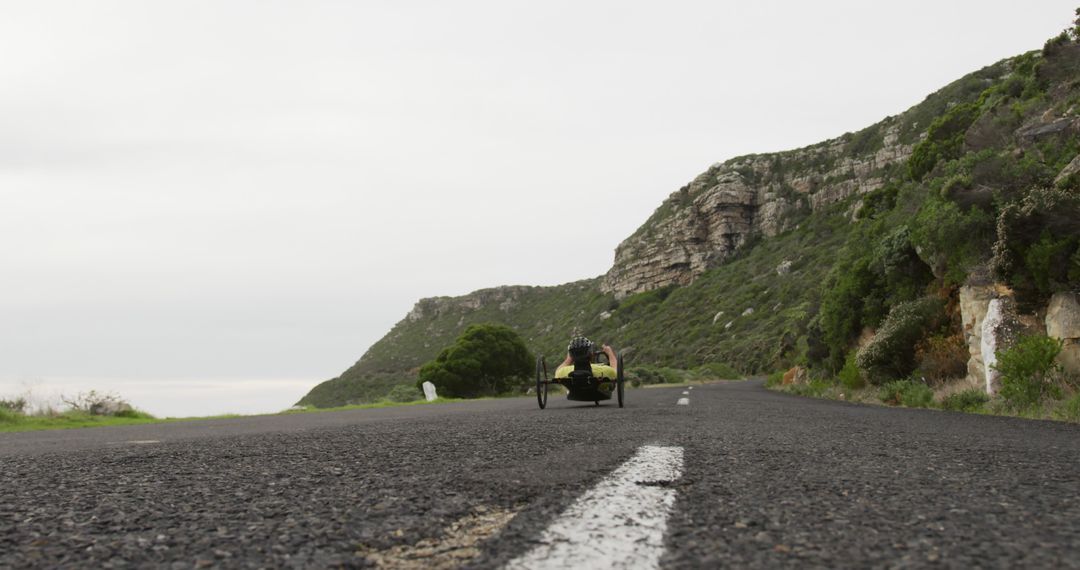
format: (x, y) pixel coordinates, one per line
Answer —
(988, 192)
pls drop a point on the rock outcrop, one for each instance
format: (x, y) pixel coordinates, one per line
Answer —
(432, 307)
(1063, 323)
(974, 302)
(999, 329)
(707, 221)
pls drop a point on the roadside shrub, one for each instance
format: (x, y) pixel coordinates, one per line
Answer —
(645, 375)
(850, 377)
(716, 370)
(486, 360)
(403, 393)
(1028, 371)
(891, 353)
(132, 413)
(910, 393)
(96, 403)
(851, 300)
(940, 357)
(673, 375)
(775, 379)
(812, 389)
(16, 405)
(970, 400)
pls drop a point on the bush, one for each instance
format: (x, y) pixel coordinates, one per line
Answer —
(403, 393)
(486, 360)
(643, 375)
(891, 353)
(133, 414)
(951, 239)
(96, 403)
(1036, 242)
(850, 377)
(775, 379)
(910, 393)
(969, 400)
(716, 370)
(941, 357)
(944, 139)
(850, 301)
(812, 389)
(1028, 371)
(16, 405)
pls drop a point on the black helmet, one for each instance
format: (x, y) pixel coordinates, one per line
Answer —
(579, 347)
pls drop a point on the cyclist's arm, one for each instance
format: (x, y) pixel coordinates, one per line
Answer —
(611, 358)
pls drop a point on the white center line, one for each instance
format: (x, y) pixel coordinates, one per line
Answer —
(619, 523)
(686, 393)
(683, 402)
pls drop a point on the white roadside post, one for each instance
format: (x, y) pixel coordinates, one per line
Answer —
(429, 391)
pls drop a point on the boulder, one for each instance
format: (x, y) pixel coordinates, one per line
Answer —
(1067, 172)
(974, 301)
(784, 268)
(1000, 327)
(1063, 323)
(796, 375)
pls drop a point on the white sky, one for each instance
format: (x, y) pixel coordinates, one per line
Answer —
(254, 192)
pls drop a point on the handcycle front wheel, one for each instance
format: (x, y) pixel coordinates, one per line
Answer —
(620, 382)
(541, 382)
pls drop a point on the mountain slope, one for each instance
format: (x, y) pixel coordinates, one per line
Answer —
(746, 264)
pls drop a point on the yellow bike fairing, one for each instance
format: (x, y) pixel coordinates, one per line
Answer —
(598, 370)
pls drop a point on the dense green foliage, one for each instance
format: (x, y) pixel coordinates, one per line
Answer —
(486, 360)
(891, 353)
(1027, 371)
(910, 393)
(850, 376)
(970, 400)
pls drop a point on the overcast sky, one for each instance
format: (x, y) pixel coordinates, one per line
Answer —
(249, 194)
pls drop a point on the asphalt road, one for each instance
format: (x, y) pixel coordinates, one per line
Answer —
(766, 480)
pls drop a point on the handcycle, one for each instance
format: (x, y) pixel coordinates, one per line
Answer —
(581, 384)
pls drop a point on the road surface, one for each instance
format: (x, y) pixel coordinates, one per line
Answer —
(736, 476)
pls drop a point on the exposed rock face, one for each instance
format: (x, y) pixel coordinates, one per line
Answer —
(795, 375)
(999, 328)
(432, 307)
(974, 302)
(1063, 323)
(704, 223)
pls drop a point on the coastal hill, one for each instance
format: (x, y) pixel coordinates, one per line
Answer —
(771, 260)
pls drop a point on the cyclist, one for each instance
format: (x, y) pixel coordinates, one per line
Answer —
(580, 351)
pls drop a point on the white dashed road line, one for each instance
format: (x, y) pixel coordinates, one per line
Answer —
(686, 393)
(683, 402)
(619, 523)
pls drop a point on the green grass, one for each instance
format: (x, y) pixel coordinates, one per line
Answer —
(69, 420)
(10, 422)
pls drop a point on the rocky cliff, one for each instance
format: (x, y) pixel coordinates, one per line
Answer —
(704, 223)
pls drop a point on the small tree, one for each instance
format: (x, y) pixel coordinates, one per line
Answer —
(486, 360)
